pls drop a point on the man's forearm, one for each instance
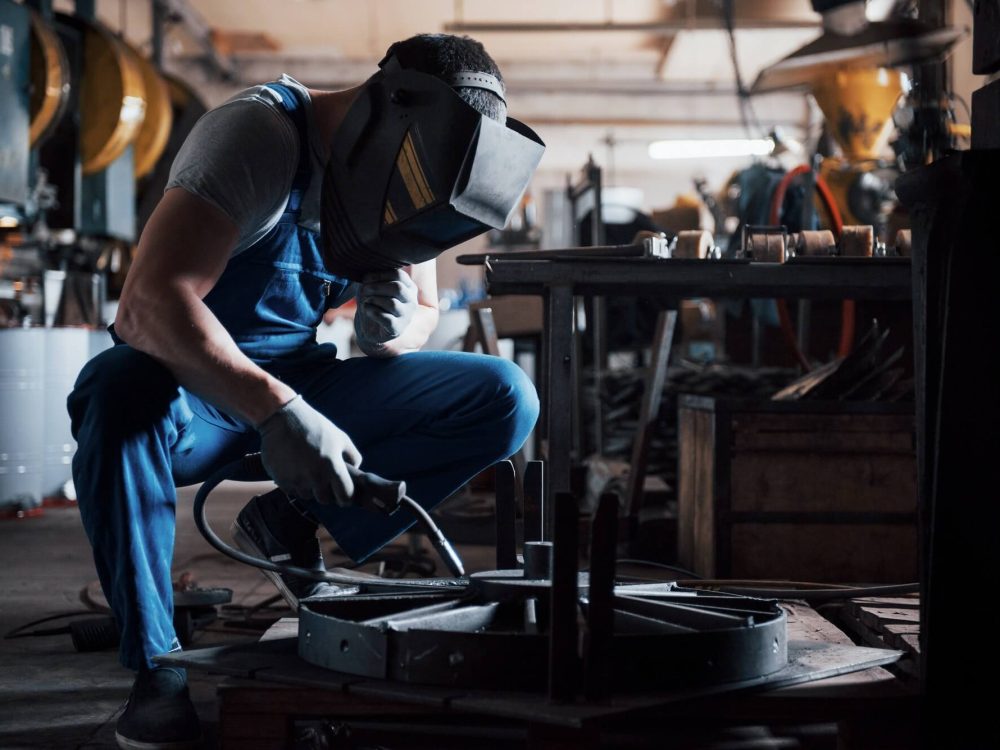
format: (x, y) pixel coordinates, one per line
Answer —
(425, 320)
(177, 329)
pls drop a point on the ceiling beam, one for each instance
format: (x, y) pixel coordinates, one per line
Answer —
(694, 23)
(666, 44)
(181, 12)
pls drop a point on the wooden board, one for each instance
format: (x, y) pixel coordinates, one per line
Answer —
(785, 481)
(695, 518)
(825, 552)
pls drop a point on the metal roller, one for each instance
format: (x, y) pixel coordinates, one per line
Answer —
(159, 119)
(50, 81)
(693, 243)
(766, 247)
(112, 97)
(857, 241)
(815, 243)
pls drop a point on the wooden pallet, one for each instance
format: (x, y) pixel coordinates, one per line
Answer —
(275, 694)
(888, 622)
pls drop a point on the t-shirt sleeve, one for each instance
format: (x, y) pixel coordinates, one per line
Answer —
(240, 157)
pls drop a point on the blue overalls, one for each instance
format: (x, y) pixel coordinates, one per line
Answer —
(434, 419)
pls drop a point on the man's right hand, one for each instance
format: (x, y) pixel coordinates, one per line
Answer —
(307, 455)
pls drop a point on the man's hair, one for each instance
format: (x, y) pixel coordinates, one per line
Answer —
(442, 55)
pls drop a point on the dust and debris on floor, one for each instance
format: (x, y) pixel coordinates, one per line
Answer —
(55, 697)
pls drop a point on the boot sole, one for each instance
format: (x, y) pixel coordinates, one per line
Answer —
(245, 543)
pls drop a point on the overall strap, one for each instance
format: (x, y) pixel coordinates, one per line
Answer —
(296, 111)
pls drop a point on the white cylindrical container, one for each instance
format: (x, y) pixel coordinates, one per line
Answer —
(66, 352)
(22, 413)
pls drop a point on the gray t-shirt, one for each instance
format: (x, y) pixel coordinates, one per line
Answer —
(241, 157)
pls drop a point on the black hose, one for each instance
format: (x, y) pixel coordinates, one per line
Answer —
(251, 469)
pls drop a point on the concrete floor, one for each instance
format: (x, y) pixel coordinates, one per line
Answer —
(50, 695)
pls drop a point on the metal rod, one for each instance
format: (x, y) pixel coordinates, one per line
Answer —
(86, 9)
(803, 325)
(600, 607)
(44, 8)
(652, 396)
(563, 647)
(534, 501)
(598, 307)
(559, 396)
(159, 21)
(506, 523)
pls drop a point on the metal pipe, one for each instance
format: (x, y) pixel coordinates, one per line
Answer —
(159, 21)
(44, 7)
(86, 9)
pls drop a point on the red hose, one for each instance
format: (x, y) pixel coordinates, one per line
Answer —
(847, 308)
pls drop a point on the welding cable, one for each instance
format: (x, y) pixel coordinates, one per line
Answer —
(249, 469)
(19, 631)
(809, 592)
(847, 308)
(661, 566)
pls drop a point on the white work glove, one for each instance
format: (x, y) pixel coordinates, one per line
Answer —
(307, 455)
(386, 303)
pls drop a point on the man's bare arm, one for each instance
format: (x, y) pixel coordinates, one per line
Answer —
(182, 252)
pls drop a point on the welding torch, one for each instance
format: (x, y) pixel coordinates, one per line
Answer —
(371, 491)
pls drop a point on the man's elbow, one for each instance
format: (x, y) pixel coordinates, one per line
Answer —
(137, 315)
(129, 323)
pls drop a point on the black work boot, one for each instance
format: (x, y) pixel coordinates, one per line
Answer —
(270, 527)
(159, 714)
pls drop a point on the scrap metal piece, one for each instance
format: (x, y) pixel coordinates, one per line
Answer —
(537, 560)
(506, 522)
(600, 601)
(534, 501)
(564, 661)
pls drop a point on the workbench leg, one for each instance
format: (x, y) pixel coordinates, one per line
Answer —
(558, 391)
(599, 324)
(652, 395)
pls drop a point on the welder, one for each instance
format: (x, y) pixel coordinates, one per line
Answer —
(282, 203)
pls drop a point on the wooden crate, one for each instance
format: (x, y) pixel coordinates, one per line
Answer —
(797, 491)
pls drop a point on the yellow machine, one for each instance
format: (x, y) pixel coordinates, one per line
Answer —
(858, 104)
(857, 83)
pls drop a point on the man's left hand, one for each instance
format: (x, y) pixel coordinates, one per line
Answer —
(386, 303)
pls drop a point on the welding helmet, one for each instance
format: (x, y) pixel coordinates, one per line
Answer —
(415, 170)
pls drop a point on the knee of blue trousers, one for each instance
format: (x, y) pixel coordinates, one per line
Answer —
(120, 393)
(514, 411)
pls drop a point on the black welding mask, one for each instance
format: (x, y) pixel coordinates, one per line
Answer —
(415, 170)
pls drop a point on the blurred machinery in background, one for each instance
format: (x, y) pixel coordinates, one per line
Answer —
(857, 71)
(878, 84)
(90, 126)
